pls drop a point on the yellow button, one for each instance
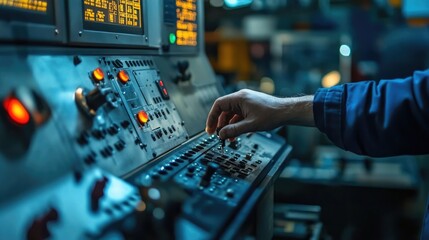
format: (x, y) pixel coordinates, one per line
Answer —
(123, 76)
(142, 117)
(98, 74)
(16, 111)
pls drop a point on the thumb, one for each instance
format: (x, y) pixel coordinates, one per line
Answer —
(235, 129)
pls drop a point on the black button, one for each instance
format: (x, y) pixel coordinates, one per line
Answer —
(191, 169)
(125, 124)
(155, 176)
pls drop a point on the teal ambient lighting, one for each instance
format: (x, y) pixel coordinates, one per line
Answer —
(237, 3)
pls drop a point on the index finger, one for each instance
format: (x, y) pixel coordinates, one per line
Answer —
(220, 105)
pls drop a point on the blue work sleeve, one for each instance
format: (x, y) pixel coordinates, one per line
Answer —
(381, 119)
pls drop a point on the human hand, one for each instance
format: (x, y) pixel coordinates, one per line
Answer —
(249, 111)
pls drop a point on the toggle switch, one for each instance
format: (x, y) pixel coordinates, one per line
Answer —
(210, 171)
(90, 101)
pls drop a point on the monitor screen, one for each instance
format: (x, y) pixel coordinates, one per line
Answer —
(122, 16)
(32, 11)
(182, 15)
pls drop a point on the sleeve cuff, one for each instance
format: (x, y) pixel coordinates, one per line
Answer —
(328, 112)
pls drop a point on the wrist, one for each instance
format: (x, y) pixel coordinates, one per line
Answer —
(298, 111)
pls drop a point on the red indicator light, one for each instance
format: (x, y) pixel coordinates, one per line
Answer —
(16, 111)
(98, 74)
(161, 83)
(165, 92)
(123, 76)
(142, 117)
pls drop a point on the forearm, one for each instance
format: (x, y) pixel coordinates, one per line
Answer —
(297, 111)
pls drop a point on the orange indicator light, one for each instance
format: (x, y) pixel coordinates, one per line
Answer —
(123, 76)
(165, 92)
(142, 117)
(161, 83)
(98, 74)
(16, 111)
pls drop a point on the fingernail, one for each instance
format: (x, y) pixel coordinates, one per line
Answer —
(208, 131)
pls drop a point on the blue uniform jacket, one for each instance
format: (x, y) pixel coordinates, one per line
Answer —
(381, 119)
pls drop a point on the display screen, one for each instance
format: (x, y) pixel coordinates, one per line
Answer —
(186, 22)
(33, 11)
(122, 16)
(31, 5)
(182, 14)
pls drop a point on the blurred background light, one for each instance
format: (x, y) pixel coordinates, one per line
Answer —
(331, 79)
(237, 3)
(345, 50)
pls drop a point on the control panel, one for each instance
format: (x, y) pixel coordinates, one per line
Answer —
(102, 113)
(77, 206)
(218, 179)
(119, 111)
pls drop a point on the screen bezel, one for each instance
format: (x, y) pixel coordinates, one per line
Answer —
(79, 35)
(42, 28)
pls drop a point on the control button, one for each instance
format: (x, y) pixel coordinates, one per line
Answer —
(98, 74)
(90, 159)
(189, 174)
(155, 176)
(255, 146)
(83, 139)
(174, 163)
(125, 124)
(123, 76)
(16, 111)
(98, 134)
(162, 89)
(168, 167)
(236, 144)
(97, 193)
(113, 130)
(120, 145)
(142, 117)
(26, 109)
(39, 228)
(191, 169)
(249, 156)
(118, 63)
(230, 193)
(210, 171)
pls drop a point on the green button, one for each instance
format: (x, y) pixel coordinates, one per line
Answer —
(172, 38)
